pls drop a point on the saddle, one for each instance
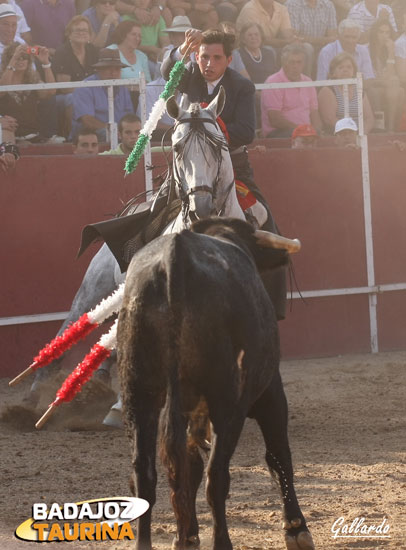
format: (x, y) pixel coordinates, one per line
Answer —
(135, 226)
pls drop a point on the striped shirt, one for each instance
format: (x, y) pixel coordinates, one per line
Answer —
(364, 17)
(308, 21)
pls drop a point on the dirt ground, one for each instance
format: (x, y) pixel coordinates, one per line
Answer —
(347, 434)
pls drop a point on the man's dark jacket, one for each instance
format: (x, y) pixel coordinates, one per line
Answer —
(239, 110)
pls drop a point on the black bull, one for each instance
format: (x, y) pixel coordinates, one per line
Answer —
(197, 330)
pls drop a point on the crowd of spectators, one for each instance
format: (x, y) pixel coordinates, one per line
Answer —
(275, 41)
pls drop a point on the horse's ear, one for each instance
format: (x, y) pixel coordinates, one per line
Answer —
(217, 105)
(174, 110)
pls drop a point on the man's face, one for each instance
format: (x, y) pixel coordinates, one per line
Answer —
(293, 66)
(129, 135)
(212, 61)
(266, 4)
(87, 145)
(349, 39)
(346, 137)
(104, 7)
(8, 27)
(109, 73)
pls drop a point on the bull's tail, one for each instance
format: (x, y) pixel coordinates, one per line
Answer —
(173, 444)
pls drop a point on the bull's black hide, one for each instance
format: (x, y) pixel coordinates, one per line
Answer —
(197, 332)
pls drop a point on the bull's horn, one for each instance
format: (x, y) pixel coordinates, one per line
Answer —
(271, 240)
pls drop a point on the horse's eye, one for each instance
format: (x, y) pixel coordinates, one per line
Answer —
(176, 148)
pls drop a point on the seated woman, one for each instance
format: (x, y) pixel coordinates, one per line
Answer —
(385, 92)
(331, 98)
(259, 61)
(72, 62)
(17, 68)
(127, 38)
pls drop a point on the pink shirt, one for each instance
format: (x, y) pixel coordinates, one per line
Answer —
(294, 103)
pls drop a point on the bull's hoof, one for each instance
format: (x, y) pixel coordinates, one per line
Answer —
(191, 543)
(114, 419)
(31, 399)
(301, 541)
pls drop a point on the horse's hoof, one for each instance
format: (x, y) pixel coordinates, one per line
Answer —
(114, 419)
(191, 543)
(301, 541)
(31, 399)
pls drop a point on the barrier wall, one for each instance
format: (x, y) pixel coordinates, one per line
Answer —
(315, 195)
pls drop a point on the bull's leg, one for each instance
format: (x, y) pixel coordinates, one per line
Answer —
(224, 441)
(271, 413)
(142, 423)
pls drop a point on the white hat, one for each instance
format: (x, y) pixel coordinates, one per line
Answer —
(346, 123)
(180, 23)
(6, 10)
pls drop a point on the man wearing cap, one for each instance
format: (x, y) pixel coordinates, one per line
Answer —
(346, 133)
(304, 137)
(23, 32)
(90, 105)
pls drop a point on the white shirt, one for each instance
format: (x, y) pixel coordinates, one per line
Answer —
(327, 53)
(364, 17)
(400, 46)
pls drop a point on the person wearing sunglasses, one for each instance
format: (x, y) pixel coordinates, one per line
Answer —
(104, 19)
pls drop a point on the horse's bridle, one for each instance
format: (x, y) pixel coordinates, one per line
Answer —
(216, 143)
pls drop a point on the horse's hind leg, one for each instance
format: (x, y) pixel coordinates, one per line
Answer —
(97, 284)
(271, 413)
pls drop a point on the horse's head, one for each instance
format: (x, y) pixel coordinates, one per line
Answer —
(202, 165)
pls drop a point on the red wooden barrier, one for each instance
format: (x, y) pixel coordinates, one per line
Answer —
(315, 195)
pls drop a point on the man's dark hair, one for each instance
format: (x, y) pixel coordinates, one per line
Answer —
(130, 117)
(219, 37)
(83, 131)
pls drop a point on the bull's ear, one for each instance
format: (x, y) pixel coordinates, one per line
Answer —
(173, 109)
(216, 106)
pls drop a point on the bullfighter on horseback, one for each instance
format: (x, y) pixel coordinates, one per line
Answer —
(200, 84)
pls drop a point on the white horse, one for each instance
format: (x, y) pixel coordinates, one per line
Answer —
(204, 178)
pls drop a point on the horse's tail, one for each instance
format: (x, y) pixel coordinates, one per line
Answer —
(173, 445)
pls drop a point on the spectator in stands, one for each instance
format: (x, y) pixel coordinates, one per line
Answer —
(85, 142)
(259, 61)
(90, 105)
(145, 16)
(283, 109)
(127, 38)
(349, 32)
(386, 94)
(331, 98)
(346, 133)
(342, 8)
(315, 24)
(367, 12)
(153, 37)
(128, 131)
(304, 137)
(273, 18)
(228, 11)
(73, 61)
(202, 13)
(47, 20)
(104, 19)
(8, 26)
(400, 52)
(17, 68)
(23, 32)
(9, 153)
(176, 31)
(8, 127)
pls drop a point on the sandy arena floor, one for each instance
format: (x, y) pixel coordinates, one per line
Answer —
(347, 435)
